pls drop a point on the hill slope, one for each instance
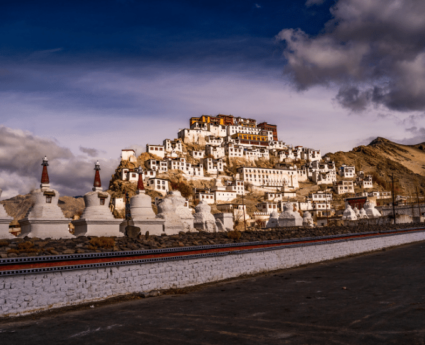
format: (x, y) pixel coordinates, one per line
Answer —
(18, 206)
(382, 158)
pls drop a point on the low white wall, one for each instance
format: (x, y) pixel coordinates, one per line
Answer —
(31, 293)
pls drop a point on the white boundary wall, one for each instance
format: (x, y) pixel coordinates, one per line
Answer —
(27, 294)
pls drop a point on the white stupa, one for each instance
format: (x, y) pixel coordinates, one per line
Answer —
(362, 214)
(167, 211)
(308, 221)
(273, 221)
(349, 214)
(45, 219)
(289, 217)
(4, 223)
(142, 214)
(356, 211)
(371, 211)
(185, 213)
(97, 219)
(204, 220)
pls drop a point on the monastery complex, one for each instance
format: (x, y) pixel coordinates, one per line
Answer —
(240, 159)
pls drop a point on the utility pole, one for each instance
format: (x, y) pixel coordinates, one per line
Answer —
(419, 207)
(243, 207)
(327, 213)
(392, 191)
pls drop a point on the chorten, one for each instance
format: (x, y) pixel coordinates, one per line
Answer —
(97, 219)
(45, 219)
(371, 211)
(273, 221)
(289, 217)
(308, 221)
(362, 214)
(142, 214)
(356, 211)
(4, 223)
(204, 220)
(349, 214)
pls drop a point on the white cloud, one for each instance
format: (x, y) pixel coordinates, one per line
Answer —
(314, 2)
(372, 50)
(21, 155)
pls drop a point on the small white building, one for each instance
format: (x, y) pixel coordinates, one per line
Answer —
(156, 165)
(347, 171)
(236, 186)
(180, 164)
(238, 211)
(214, 141)
(157, 150)
(214, 151)
(213, 166)
(367, 182)
(232, 150)
(322, 208)
(328, 177)
(204, 195)
(343, 187)
(158, 184)
(128, 155)
(198, 170)
(267, 207)
(273, 196)
(175, 145)
(320, 196)
(198, 154)
(267, 177)
(132, 175)
(310, 154)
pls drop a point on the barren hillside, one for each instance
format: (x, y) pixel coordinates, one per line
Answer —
(382, 158)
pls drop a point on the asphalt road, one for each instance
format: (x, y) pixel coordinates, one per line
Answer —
(376, 298)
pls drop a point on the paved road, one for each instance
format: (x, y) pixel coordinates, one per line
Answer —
(377, 298)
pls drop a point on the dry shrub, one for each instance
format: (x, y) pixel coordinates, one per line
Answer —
(10, 251)
(234, 235)
(183, 188)
(26, 247)
(4, 243)
(102, 242)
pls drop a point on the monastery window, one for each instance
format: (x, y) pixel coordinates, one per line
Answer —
(48, 199)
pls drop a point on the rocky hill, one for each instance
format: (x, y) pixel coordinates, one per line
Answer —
(382, 158)
(18, 206)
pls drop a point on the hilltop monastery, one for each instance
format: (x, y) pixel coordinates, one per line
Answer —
(221, 138)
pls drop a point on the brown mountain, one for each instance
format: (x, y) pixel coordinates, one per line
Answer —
(382, 158)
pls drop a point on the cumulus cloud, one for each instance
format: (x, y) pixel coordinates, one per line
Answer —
(418, 136)
(372, 50)
(90, 152)
(314, 2)
(21, 154)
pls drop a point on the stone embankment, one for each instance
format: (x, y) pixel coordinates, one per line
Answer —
(35, 247)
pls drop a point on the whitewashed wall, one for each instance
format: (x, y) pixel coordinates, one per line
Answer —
(31, 293)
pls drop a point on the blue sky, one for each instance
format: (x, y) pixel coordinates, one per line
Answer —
(107, 75)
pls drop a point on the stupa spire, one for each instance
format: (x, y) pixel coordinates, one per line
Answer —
(45, 175)
(97, 184)
(140, 185)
